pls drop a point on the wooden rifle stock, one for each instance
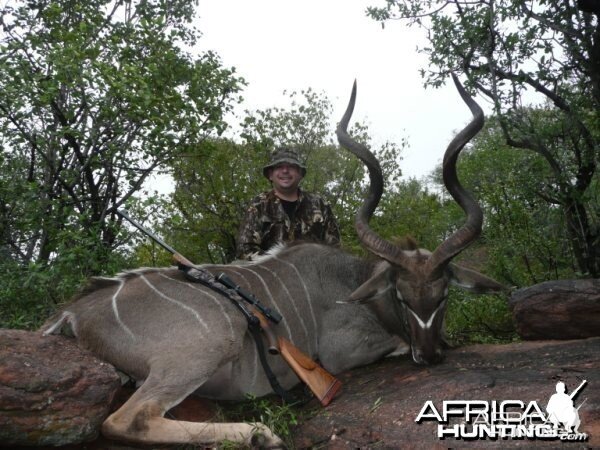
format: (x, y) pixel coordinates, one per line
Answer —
(322, 384)
(181, 260)
(266, 328)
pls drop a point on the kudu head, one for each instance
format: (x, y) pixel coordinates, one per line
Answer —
(412, 284)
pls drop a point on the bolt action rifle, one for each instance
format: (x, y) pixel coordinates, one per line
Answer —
(323, 385)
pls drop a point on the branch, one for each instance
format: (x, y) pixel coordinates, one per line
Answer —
(84, 164)
(430, 13)
(558, 101)
(548, 198)
(136, 186)
(553, 25)
(68, 188)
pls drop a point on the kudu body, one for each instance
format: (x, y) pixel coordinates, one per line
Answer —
(177, 338)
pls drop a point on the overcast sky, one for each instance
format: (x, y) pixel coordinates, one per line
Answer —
(279, 45)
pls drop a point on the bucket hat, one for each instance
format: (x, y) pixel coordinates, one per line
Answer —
(284, 155)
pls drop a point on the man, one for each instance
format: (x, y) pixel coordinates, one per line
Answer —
(286, 213)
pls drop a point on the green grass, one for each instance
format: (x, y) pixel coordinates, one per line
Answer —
(281, 418)
(479, 319)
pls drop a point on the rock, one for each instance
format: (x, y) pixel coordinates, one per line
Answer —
(564, 309)
(378, 404)
(51, 391)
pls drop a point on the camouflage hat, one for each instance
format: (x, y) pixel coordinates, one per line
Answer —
(284, 155)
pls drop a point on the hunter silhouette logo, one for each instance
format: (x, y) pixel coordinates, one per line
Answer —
(561, 409)
(508, 419)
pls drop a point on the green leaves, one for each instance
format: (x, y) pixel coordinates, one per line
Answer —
(95, 96)
(517, 54)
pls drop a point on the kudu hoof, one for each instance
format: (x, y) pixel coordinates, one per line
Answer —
(264, 438)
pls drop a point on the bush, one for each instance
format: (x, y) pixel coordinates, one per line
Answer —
(479, 319)
(31, 293)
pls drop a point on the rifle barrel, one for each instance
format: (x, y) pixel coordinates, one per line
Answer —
(155, 238)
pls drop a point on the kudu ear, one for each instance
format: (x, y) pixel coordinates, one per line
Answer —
(374, 287)
(473, 281)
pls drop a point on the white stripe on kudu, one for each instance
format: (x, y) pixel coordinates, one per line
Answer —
(254, 378)
(272, 300)
(211, 296)
(428, 324)
(177, 302)
(257, 367)
(289, 296)
(244, 284)
(308, 299)
(116, 310)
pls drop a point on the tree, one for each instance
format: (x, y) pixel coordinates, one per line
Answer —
(94, 97)
(213, 183)
(514, 50)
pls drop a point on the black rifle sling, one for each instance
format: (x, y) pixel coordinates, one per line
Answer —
(206, 278)
(277, 388)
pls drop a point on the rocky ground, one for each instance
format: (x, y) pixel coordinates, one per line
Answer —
(378, 404)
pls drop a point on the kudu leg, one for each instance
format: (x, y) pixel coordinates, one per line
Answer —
(141, 419)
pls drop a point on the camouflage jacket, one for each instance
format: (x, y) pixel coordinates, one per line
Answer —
(266, 223)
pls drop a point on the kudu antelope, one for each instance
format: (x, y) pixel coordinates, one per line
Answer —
(177, 338)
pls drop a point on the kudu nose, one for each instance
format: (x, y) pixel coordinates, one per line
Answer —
(427, 358)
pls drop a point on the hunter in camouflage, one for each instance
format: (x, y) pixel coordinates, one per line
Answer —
(286, 213)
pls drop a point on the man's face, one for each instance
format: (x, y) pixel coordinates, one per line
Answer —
(285, 177)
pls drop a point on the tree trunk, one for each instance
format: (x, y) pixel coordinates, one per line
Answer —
(584, 238)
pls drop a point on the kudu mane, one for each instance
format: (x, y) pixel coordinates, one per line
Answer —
(97, 283)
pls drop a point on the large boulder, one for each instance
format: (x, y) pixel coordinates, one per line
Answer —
(564, 309)
(51, 391)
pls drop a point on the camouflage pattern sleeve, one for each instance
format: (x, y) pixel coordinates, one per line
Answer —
(249, 238)
(332, 231)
